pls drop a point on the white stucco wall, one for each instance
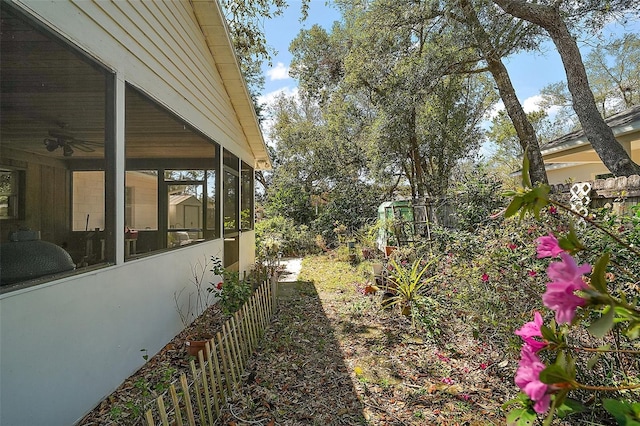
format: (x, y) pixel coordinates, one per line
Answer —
(247, 250)
(69, 343)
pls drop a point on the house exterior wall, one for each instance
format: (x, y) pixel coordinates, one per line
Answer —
(587, 163)
(68, 343)
(145, 199)
(577, 173)
(88, 200)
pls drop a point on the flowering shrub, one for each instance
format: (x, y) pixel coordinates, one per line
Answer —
(231, 290)
(580, 298)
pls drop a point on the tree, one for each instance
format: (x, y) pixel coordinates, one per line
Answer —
(613, 69)
(425, 113)
(502, 133)
(614, 74)
(492, 53)
(550, 17)
(245, 22)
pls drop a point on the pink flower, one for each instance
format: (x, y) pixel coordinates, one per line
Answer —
(512, 246)
(568, 270)
(528, 379)
(553, 209)
(483, 365)
(447, 381)
(219, 286)
(532, 273)
(560, 295)
(531, 330)
(485, 277)
(548, 246)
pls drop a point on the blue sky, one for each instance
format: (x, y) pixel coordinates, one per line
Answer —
(529, 71)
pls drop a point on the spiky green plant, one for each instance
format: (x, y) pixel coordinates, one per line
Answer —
(409, 282)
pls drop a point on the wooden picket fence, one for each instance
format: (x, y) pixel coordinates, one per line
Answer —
(219, 368)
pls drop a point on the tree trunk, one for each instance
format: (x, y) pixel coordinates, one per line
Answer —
(524, 129)
(598, 133)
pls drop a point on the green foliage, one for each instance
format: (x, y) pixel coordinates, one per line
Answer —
(409, 281)
(605, 309)
(502, 252)
(232, 291)
(144, 391)
(625, 413)
(279, 234)
(478, 195)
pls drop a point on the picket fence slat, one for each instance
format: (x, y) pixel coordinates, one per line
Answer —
(197, 393)
(163, 412)
(176, 404)
(212, 379)
(221, 364)
(205, 387)
(187, 400)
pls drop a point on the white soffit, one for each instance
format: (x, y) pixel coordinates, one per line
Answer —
(214, 28)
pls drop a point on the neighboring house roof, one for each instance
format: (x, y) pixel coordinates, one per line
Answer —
(176, 199)
(621, 123)
(214, 28)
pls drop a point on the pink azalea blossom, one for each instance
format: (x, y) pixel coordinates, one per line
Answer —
(553, 209)
(528, 379)
(560, 298)
(567, 269)
(567, 279)
(485, 277)
(531, 330)
(512, 246)
(548, 246)
(532, 273)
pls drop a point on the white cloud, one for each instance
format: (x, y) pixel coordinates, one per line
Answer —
(532, 103)
(269, 98)
(279, 72)
(490, 115)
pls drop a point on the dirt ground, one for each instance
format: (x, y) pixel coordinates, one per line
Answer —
(332, 356)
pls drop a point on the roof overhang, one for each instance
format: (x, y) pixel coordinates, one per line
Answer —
(579, 146)
(214, 27)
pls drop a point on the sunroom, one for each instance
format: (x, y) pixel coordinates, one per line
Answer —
(127, 157)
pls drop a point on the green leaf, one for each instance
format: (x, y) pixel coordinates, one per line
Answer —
(598, 280)
(548, 334)
(604, 324)
(633, 331)
(555, 374)
(623, 412)
(514, 206)
(521, 417)
(570, 406)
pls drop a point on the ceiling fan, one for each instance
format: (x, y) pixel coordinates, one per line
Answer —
(65, 140)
